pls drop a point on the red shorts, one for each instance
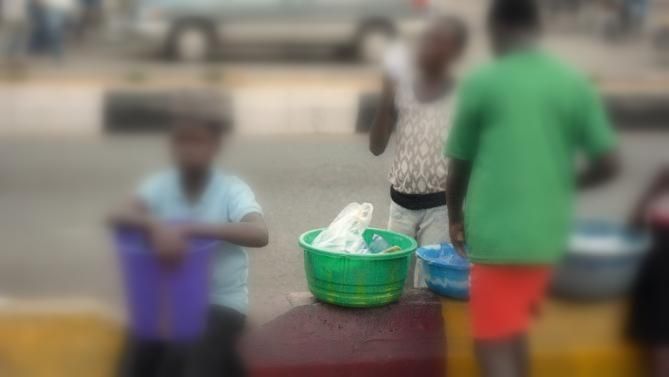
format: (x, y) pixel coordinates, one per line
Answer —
(504, 298)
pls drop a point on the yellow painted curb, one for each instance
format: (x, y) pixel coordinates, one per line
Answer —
(66, 339)
(567, 340)
(71, 339)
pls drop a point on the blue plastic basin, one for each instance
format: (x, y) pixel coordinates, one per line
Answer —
(602, 261)
(446, 272)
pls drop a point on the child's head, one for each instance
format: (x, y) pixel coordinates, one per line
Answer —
(442, 42)
(198, 129)
(511, 22)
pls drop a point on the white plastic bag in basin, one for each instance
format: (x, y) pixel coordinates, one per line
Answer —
(344, 235)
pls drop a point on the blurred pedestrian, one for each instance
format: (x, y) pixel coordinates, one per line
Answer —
(633, 15)
(416, 106)
(56, 17)
(90, 18)
(206, 203)
(38, 27)
(15, 29)
(649, 320)
(520, 123)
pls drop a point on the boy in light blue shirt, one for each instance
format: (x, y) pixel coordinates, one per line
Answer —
(209, 204)
(225, 201)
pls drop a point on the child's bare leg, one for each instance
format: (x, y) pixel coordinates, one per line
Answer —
(503, 358)
(522, 351)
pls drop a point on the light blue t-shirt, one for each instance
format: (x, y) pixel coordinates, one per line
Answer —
(226, 199)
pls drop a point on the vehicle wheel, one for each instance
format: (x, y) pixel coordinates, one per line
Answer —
(192, 43)
(373, 42)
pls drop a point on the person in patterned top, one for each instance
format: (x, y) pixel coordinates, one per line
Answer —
(416, 106)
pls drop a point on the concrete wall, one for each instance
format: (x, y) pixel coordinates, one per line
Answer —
(83, 110)
(47, 110)
(67, 110)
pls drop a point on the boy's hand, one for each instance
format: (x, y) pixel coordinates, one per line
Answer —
(457, 233)
(169, 243)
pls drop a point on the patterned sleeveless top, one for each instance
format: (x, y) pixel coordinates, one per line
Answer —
(419, 165)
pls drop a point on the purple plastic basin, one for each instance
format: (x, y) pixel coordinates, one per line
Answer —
(164, 303)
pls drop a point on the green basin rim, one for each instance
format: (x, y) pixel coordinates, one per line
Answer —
(400, 254)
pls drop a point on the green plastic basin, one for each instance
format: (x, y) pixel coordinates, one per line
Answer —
(358, 281)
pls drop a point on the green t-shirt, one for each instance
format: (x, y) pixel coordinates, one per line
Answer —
(522, 121)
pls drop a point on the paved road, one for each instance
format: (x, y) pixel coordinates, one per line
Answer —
(53, 194)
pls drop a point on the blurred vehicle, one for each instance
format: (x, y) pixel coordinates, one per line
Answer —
(660, 24)
(192, 30)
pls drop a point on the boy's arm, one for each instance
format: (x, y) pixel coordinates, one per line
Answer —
(456, 190)
(251, 231)
(385, 120)
(659, 183)
(170, 243)
(600, 170)
(597, 139)
(133, 214)
(461, 148)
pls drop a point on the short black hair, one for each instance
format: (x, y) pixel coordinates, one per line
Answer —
(201, 108)
(516, 14)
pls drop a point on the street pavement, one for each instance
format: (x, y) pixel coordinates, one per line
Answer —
(54, 194)
(110, 65)
(117, 60)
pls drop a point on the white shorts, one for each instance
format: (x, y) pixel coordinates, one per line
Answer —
(427, 226)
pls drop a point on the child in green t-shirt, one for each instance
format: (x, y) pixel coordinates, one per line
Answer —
(519, 125)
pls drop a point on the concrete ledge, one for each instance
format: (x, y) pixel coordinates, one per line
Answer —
(253, 110)
(631, 111)
(295, 111)
(628, 111)
(50, 109)
(420, 336)
(404, 339)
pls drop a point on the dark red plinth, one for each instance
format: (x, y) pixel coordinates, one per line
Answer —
(402, 340)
